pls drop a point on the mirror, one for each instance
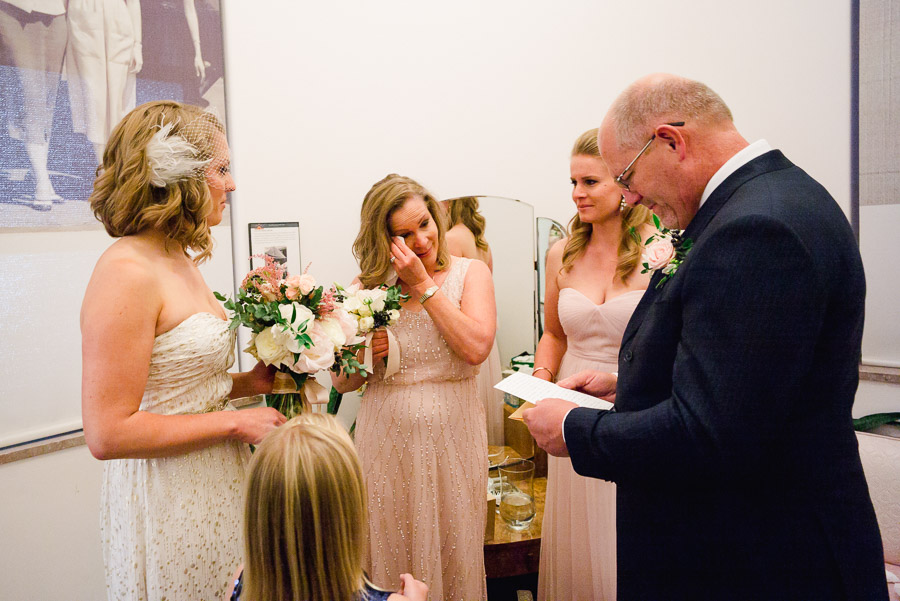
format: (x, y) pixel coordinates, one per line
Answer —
(549, 231)
(509, 231)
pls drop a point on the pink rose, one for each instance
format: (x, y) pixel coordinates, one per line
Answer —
(658, 254)
(299, 285)
(293, 287)
(307, 283)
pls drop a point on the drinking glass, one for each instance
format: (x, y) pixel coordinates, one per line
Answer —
(517, 494)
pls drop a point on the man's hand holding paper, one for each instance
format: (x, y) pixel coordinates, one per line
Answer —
(544, 413)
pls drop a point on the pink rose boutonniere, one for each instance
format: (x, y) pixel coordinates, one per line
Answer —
(663, 251)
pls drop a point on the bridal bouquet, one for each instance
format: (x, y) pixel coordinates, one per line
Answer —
(372, 309)
(300, 328)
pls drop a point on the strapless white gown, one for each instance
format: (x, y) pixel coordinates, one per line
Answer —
(171, 527)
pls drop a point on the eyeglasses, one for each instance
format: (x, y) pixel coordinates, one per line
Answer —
(620, 179)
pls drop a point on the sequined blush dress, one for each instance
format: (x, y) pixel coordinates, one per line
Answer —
(171, 526)
(422, 442)
(578, 534)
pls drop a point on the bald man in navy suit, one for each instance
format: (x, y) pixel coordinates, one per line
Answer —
(731, 440)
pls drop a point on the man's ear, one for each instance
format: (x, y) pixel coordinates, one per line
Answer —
(673, 136)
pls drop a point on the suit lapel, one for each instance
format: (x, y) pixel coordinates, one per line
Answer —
(770, 161)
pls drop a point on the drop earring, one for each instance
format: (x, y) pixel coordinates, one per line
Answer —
(622, 204)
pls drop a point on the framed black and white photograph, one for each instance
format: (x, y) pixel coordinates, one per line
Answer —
(70, 70)
(280, 241)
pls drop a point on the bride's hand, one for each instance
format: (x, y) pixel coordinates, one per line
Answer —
(408, 266)
(253, 424)
(261, 377)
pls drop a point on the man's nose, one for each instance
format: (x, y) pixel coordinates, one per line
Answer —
(631, 198)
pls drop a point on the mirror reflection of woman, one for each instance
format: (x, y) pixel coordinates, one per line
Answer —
(465, 238)
(593, 286)
(420, 432)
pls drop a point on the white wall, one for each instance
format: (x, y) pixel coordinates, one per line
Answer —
(469, 97)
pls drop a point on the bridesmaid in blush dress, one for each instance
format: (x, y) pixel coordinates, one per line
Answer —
(465, 238)
(421, 431)
(593, 286)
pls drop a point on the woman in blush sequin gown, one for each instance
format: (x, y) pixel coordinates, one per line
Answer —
(155, 352)
(421, 432)
(593, 286)
(465, 238)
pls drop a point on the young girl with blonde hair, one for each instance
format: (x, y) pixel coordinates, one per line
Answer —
(305, 520)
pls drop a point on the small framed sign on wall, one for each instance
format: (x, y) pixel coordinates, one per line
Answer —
(280, 241)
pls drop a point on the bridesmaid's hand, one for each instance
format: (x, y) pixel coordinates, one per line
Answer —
(253, 424)
(408, 266)
(379, 345)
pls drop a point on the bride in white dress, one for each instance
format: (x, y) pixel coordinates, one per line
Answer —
(155, 350)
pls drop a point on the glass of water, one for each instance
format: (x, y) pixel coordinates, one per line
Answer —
(517, 494)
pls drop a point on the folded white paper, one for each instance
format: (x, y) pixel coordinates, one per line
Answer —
(533, 390)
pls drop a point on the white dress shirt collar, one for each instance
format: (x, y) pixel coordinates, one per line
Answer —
(744, 156)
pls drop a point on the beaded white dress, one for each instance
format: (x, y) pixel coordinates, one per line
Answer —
(171, 526)
(422, 441)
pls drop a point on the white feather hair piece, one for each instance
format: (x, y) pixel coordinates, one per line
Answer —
(172, 159)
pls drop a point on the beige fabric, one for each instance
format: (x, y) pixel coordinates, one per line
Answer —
(422, 443)
(578, 535)
(171, 527)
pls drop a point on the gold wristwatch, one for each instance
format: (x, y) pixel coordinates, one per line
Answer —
(428, 294)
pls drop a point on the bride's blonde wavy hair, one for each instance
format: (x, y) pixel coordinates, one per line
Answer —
(579, 233)
(372, 247)
(124, 200)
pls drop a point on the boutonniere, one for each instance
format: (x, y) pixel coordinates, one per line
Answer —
(663, 251)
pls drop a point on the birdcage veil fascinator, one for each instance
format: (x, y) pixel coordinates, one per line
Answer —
(179, 152)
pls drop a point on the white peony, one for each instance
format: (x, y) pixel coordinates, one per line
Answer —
(351, 304)
(320, 356)
(394, 315)
(270, 346)
(296, 315)
(349, 326)
(373, 299)
(378, 297)
(332, 327)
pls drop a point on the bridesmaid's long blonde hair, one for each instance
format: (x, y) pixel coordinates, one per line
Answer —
(579, 233)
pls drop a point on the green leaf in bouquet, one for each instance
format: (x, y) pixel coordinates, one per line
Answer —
(870, 422)
(219, 296)
(334, 401)
(315, 296)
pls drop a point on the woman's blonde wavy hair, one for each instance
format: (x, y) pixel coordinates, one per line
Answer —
(579, 233)
(126, 203)
(464, 210)
(305, 519)
(372, 247)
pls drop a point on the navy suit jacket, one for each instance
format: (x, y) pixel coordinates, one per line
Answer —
(731, 441)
